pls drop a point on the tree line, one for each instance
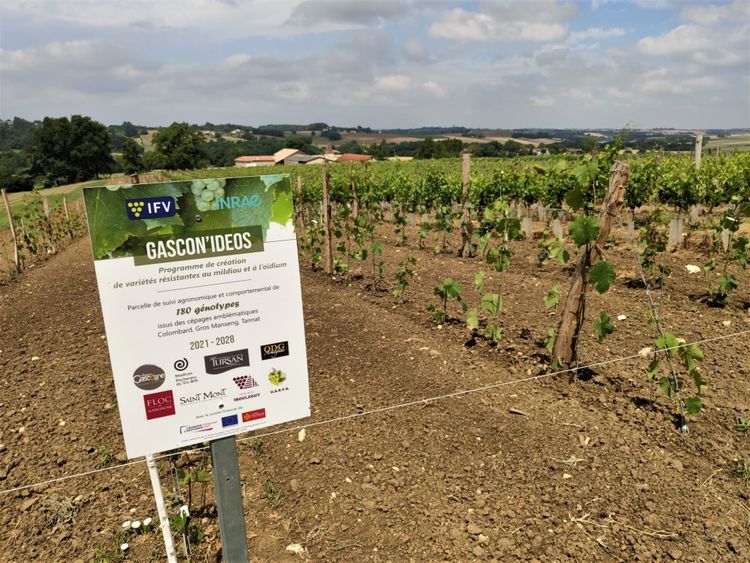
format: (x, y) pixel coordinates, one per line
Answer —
(62, 150)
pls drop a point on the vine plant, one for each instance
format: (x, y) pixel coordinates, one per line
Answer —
(498, 224)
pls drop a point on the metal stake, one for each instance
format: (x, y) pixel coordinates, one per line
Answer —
(166, 531)
(229, 500)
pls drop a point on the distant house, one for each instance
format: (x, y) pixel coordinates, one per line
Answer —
(349, 157)
(281, 155)
(251, 161)
(299, 158)
(322, 158)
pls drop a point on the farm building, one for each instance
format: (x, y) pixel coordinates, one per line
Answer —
(252, 161)
(283, 156)
(349, 157)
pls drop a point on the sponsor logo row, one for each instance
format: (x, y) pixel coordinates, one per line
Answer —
(161, 404)
(225, 361)
(149, 377)
(166, 206)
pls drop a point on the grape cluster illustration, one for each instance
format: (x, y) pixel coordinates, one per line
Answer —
(245, 381)
(207, 193)
(277, 377)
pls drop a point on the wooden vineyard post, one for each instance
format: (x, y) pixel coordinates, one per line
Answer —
(466, 226)
(573, 309)
(67, 218)
(698, 149)
(300, 207)
(48, 229)
(12, 232)
(327, 234)
(355, 198)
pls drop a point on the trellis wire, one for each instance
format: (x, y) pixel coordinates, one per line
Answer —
(381, 410)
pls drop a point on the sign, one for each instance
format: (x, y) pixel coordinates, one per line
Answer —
(200, 290)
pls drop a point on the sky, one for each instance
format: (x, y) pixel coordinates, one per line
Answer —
(382, 64)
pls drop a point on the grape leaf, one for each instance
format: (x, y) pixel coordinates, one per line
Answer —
(574, 198)
(472, 320)
(584, 230)
(602, 275)
(603, 326)
(667, 340)
(491, 303)
(693, 405)
(558, 251)
(553, 297)
(699, 382)
(479, 281)
(493, 332)
(727, 283)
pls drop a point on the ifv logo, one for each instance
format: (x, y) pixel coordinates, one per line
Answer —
(151, 207)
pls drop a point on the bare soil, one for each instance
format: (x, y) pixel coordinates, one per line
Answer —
(551, 469)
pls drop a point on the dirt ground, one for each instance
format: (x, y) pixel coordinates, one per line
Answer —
(547, 469)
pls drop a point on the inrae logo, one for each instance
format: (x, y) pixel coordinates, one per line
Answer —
(151, 207)
(276, 350)
(159, 404)
(219, 363)
(235, 202)
(148, 377)
(245, 381)
(229, 421)
(257, 414)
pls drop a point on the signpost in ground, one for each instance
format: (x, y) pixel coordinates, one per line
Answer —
(200, 291)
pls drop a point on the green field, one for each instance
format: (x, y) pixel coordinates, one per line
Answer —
(732, 142)
(55, 196)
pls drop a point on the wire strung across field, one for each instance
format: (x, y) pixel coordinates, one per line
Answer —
(383, 409)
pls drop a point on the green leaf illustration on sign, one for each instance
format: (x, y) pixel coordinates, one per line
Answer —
(108, 218)
(201, 205)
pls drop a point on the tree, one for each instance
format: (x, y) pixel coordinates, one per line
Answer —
(300, 143)
(132, 157)
(70, 150)
(181, 147)
(15, 175)
(427, 150)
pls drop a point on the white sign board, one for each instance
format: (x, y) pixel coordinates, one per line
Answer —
(200, 290)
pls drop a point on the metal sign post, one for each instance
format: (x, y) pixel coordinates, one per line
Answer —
(229, 500)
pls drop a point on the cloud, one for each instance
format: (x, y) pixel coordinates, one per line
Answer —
(434, 89)
(86, 65)
(474, 26)
(493, 65)
(347, 13)
(712, 13)
(682, 39)
(506, 20)
(595, 33)
(716, 36)
(392, 82)
(217, 18)
(542, 101)
(684, 87)
(415, 50)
